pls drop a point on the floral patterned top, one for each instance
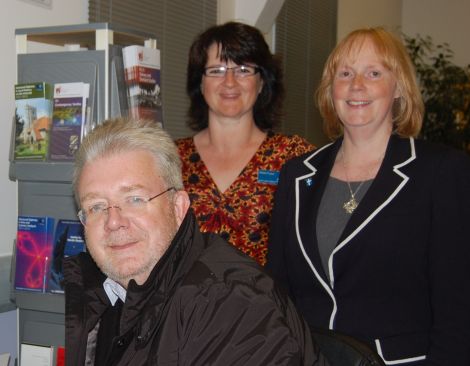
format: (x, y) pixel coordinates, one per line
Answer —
(242, 213)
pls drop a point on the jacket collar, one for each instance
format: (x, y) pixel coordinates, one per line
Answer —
(389, 181)
(145, 304)
(310, 187)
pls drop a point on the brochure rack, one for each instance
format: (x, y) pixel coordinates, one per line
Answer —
(88, 53)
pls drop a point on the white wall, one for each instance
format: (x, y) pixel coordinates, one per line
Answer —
(239, 10)
(445, 21)
(22, 14)
(369, 13)
(259, 13)
(8, 334)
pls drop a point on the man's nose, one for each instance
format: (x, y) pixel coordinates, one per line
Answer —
(115, 219)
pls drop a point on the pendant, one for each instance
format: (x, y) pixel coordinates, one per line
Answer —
(350, 205)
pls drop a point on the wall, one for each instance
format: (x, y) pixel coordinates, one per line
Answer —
(237, 10)
(258, 13)
(22, 14)
(367, 13)
(445, 21)
(8, 334)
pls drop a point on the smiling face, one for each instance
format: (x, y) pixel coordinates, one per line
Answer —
(127, 246)
(229, 97)
(364, 90)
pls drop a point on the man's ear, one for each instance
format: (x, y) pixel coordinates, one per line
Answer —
(181, 205)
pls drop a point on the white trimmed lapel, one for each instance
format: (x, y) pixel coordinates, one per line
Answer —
(388, 183)
(309, 188)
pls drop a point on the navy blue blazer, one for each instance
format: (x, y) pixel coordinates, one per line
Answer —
(400, 273)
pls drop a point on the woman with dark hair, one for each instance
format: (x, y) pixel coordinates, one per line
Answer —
(370, 233)
(231, 165)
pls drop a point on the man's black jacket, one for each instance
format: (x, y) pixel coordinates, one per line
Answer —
(205, 303)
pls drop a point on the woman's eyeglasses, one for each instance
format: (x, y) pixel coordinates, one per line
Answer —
(240, 71)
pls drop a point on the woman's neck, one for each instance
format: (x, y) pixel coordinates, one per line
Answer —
(226, 152)
(360, 157)
(227, 137)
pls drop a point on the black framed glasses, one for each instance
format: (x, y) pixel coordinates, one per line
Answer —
(131, 206)
(239, 71)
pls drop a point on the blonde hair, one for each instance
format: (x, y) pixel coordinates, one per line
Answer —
(408, 109)
(123, 134)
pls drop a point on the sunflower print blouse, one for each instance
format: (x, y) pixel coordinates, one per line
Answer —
(241, 214)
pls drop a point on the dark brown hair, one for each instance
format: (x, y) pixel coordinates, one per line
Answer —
(240, 43)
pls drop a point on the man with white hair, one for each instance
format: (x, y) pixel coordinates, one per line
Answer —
(152, 289)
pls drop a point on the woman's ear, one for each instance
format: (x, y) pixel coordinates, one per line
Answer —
(398, 92)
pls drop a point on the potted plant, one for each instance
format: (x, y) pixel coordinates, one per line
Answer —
(446, 92)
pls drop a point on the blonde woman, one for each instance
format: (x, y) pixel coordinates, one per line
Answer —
(370, 233)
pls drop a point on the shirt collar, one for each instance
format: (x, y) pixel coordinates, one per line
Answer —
(114, 291)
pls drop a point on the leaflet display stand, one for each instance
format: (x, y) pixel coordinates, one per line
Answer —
(89, 53)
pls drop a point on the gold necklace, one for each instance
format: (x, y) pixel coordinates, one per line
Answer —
(351, 204)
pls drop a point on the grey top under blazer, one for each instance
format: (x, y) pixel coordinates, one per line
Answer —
(400, 272)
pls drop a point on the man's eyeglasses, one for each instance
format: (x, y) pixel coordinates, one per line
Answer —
(240, 71)
(132, 206)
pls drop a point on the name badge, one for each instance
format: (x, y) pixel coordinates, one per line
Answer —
(268, 176)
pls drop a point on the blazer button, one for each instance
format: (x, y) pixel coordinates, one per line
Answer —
(120, 342)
